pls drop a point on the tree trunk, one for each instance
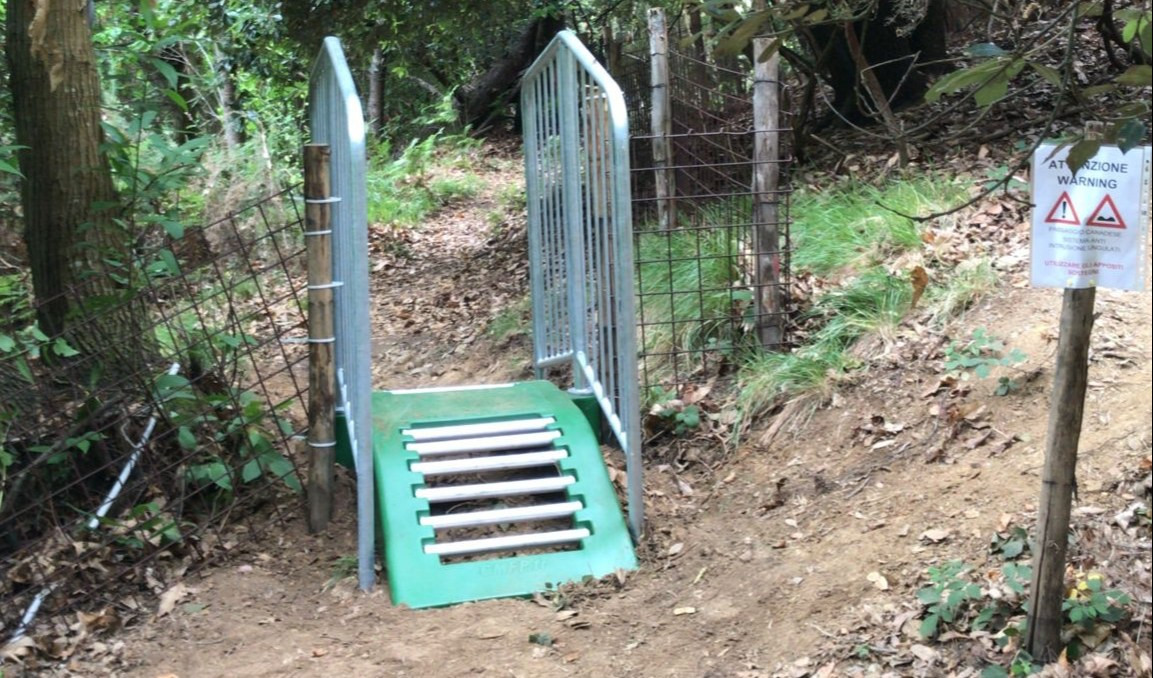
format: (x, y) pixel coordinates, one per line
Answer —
(480, 100)
(891, 54)
(230, 122)
(67, 190)
(375, 110)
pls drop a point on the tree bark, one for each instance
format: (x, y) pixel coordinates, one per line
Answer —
(67, 190)
(375, 105)
(230, 122)
(479, 100)
(892, 54)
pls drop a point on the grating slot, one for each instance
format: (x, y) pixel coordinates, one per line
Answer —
(501, 489)
(484, 443)
(493, 463)
(506, 515)
(492, 428)
(458, 548)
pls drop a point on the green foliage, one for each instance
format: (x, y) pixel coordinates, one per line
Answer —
(954, 601)
(979, 356)
(993, 70)
(7, 165)
(514, 320)
(966, 282)
(673, 415)
(843, 227)
(689, 293)
(1012, 545)
(230, 434)
(1091, 603)
(405, 190)
(1021, 665)
(843, 231)
(946, 597)
(30, 344)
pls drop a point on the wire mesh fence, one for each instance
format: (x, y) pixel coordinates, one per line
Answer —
(137, 444)
(699, 243)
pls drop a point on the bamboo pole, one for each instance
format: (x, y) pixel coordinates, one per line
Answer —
(766, 179)
(1058, 478)
(321, 339)
(662, 119)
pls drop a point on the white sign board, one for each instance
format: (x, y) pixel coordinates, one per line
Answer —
(1090, 230)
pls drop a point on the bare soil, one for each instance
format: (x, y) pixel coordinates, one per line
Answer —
(800, 555)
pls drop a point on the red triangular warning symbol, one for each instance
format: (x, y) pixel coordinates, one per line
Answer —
(1063, 212)
(1106, 215)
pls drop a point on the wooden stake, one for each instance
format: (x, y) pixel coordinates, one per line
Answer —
(662, 119)
(1058, 479)
(766, 177)
(321, 367)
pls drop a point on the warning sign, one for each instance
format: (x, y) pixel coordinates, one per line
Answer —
(1106, 215)
(1105, 250)
(1063, 212)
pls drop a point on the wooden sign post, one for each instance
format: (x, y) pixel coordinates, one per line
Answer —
(1082, 239)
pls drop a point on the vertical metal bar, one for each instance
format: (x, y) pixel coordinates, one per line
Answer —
(630, 404)
(571, 178)
(530, 108)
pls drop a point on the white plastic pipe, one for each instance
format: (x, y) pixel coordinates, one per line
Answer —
(516, 441)
(498, 516)
(506, 489)
(101, 511)
(492, 463)
(122, 479)
(458, 548)
(475, 430)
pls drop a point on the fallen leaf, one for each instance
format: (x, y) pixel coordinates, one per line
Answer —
(920, 281)
(676, 549)
(924, 653)
(936, 535)
(14, 649)
(169, 598)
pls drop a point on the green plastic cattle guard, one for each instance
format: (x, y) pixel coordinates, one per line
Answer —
(418, 573)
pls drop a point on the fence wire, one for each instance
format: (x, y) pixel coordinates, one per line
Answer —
(138, 444)
(697, 282)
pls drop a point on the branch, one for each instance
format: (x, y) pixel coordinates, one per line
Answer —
(1003, 183)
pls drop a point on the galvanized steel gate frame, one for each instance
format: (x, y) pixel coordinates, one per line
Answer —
(580, 250)
(576, 142)
(336, 119)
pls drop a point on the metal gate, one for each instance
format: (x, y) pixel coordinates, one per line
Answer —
(580, 238)
(336, 119)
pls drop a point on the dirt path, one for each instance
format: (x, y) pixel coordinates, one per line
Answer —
(783, 559)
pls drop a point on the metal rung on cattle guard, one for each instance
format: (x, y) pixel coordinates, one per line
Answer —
(508, 515)
(499, 435)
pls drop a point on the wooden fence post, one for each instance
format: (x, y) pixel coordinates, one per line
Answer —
(766, 178)
(662, 119)
(1058, 478)
(321, 368)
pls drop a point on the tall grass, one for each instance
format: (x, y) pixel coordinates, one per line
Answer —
(406, 189)
(847, 227)
(691, 296)
(849, 234)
